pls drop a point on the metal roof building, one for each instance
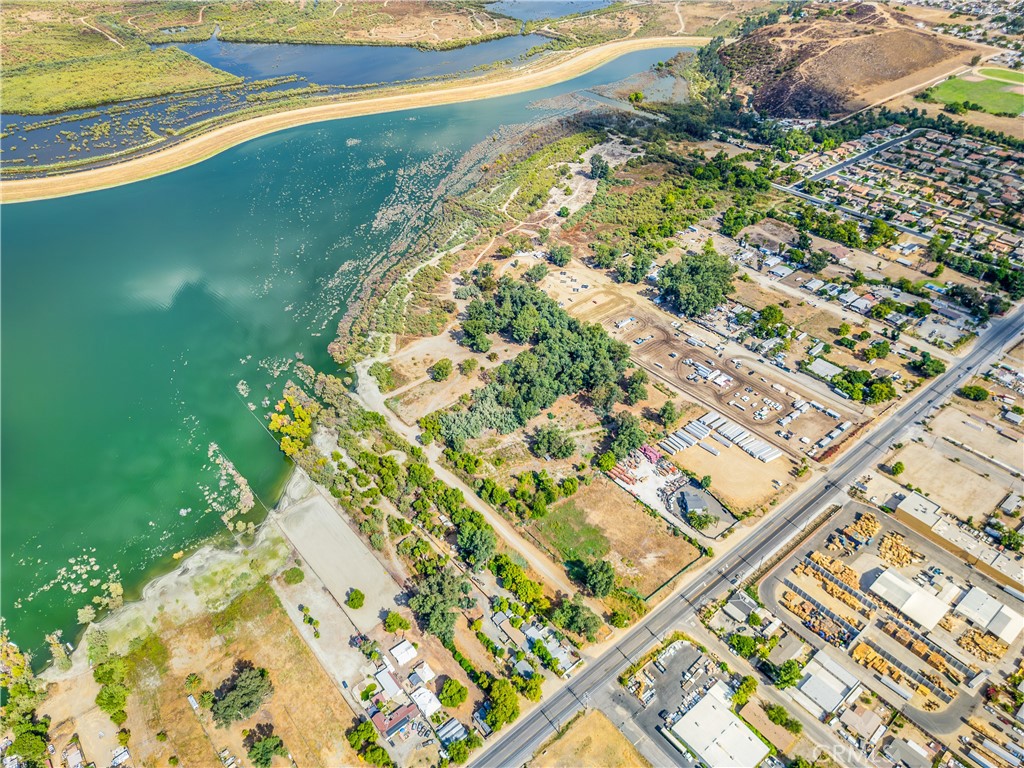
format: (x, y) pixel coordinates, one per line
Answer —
(716, 735)
(985, 612)
(913, 601)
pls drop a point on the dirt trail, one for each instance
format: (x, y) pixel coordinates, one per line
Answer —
(103, 32)
(371, 398)
(679, 15)
(551, 70)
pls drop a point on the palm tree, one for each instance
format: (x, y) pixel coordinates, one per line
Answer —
(193, 682)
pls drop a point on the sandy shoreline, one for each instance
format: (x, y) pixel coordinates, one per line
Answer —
(552, 70)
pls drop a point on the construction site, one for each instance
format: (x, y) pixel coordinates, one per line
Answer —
(910, 621)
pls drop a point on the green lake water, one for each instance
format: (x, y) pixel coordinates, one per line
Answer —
(130, 315)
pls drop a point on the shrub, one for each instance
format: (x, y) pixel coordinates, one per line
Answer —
(293, 576)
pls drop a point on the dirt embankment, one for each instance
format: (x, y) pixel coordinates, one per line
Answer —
(844, 60)
(551, 70)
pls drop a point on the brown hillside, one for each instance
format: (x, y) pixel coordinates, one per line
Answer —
(842, 60)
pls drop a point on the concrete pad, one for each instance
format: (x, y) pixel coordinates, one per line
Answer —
(340, 559)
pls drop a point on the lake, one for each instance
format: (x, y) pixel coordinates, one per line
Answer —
(141, 324)
(353, 64)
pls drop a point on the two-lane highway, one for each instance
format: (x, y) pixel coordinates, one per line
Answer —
(516, 746)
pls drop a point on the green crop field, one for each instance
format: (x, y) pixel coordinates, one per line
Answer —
(994, 97)
(1003, 74)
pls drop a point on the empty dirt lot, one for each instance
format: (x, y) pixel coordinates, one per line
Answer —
(970, 430)
(958, 488)
(594, 741)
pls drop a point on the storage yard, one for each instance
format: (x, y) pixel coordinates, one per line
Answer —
(907, 619)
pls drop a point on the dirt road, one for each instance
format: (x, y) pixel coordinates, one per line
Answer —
(371, 398)
(553, 69)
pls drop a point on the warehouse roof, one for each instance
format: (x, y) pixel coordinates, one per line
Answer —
(716, 735)
(985, 612)
(915, 602)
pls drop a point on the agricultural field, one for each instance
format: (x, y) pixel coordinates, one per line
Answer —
(997, 97)
(591, 740)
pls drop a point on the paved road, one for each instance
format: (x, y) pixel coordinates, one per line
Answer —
(845, 209)
(516, 746)
(860, 156)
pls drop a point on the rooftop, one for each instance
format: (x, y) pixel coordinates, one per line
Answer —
(716, 735)
(917, 603)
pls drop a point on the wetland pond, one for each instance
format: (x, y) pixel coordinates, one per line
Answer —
(91, 136)
(147, 329)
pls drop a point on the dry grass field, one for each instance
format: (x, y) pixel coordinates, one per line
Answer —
(306, 709)
(839, 59)
(593, 741)
(602, 520)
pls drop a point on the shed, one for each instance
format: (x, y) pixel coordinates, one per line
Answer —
(404, 652)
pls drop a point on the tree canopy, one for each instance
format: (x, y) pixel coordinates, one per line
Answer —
(696, 284)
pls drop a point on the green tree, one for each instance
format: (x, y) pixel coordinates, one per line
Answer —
(744, 645)
(629, 435)
(696, 284)
(293, 576)
(246, 694)
(362, 734)
(262, 752)
(599, 168)
(788, 674)
(355, 599)
(928, 366)
(636, 97)
(504, 704)
(973, 392)
(897, 469)
(574, 616)
(477, 543)
(599, 577)
(551, 441)
(560, 255)
(746, 689)
(1012, 540)
(437, 596)
(844, 329)
(669, 414)
(395, 622)
(453, 693)
(606, 461)
(705, 482)
(441, 370)
(636, 389)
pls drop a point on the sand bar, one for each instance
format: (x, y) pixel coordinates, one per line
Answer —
(553, 69)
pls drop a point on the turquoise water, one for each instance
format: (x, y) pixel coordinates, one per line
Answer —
(130, 316)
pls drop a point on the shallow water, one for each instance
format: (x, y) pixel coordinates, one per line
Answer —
(353, 64)
(531, 10)
(130, 316)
